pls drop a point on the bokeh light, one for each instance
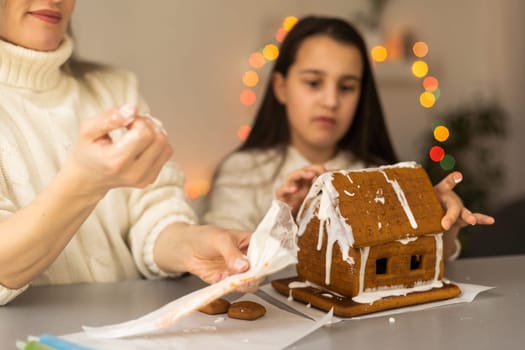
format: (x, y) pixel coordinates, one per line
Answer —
(430, 83)
(270, 52)
(427, 99)
(248, 97)
(436, 93)
(256, 60)
(419, 69)
(437, 153)
(448, 162)
(196, 188)
(243, 132)
(250, 78)
(280, 34)
(441, 133)
(420, 49)
(379, 53)
(289, 22)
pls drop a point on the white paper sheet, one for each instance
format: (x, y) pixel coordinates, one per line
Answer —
(272, 248)
(468, 293)
(277, 329)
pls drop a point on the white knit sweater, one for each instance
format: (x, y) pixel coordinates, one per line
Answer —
(41, 108)
(245, 184)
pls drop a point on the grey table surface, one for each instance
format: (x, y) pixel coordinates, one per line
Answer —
(495, 319)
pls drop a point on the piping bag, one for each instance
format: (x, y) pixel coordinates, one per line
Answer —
(272, 247)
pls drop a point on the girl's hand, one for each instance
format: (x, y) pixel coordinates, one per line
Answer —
(456, 215)
(134, 160)
(297, 185)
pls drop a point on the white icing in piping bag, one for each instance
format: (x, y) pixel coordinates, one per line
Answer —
(272, 248)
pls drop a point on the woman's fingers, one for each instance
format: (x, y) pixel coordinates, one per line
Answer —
(108, 121)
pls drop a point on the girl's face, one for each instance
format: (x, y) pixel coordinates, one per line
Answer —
(320, 93)
(35, 24)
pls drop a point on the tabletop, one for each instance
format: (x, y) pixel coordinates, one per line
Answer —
(496, 318)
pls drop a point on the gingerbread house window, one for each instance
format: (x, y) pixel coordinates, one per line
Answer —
(381, 266)
(416, 262)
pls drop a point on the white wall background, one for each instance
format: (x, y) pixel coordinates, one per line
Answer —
(190, 57)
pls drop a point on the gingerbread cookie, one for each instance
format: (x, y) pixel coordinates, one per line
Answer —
(218, 306)
(246, 310)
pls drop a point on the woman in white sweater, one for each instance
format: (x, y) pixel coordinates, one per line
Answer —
(87, 190)
(320, 111)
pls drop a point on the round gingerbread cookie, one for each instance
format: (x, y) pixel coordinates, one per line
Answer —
(246, 310)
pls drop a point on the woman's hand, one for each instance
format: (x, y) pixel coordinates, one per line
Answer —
(134, 160)
(297, 185)
(456, 215)
(209, 252)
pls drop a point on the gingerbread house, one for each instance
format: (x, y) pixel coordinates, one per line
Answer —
(370, 240)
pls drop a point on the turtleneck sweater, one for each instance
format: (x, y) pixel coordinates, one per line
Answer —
(41, 109)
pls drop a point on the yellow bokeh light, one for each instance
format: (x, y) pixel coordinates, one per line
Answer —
(379, 53)
(256, 60)
(289, 22)
(419, 69)
(441, 133)
(420, 49)
(248, 97)
(250, 78)
(270, 52)
(427, 99)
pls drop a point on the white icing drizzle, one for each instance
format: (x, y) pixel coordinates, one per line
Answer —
(297, 284)
(349, 194)
(371, 295)
(324, 196)
(439, 254)
(402, 199)
(362, 269)
(379, 196)
(379, 225)
(405, 241)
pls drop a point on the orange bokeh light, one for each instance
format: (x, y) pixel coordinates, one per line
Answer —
(427, 99)
(248, 97)
(441, 133)
(430, 83)
(256, 60)
(195, 189)
(420, 49)
(243, 132)
(280, 34)
(250, 78)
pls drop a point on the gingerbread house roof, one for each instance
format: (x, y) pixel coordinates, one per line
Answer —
(374, 206)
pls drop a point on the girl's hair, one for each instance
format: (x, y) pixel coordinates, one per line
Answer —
(367, 138)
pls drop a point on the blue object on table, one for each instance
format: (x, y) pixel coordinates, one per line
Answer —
(59, 343)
